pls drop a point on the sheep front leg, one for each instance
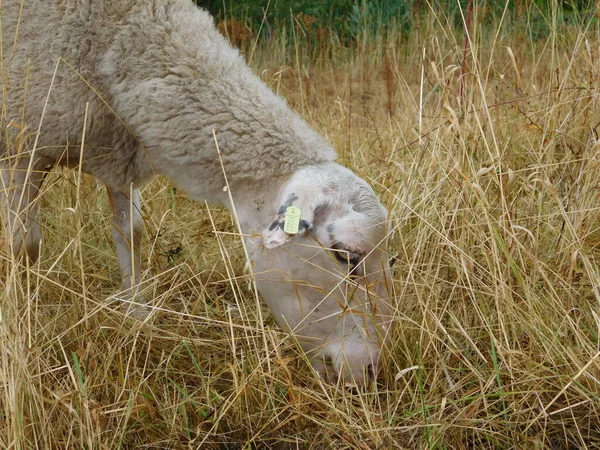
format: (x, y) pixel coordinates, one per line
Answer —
(20, 187)
(127, 234)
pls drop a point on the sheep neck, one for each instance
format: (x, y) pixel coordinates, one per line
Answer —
(254, 205)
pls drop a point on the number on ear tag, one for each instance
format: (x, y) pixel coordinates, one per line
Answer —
(292, 220)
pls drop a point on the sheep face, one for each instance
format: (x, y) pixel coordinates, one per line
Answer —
(328, 283)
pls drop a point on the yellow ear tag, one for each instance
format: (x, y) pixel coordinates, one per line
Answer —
(292, 220)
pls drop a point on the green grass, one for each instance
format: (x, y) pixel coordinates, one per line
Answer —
(494, 202)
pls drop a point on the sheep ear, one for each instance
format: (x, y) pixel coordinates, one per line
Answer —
(300, 212)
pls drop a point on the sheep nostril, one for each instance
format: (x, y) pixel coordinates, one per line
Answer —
(370, 372)
(330, 372)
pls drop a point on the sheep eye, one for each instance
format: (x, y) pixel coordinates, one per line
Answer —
(344, 256)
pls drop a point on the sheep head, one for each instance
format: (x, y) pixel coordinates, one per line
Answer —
(328, 281)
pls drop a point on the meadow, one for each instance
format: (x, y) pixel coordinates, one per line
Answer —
(482, 142)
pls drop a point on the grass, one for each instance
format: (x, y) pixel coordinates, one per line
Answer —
(494, 201)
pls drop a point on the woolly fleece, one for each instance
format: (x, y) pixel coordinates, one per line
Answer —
(159, 78)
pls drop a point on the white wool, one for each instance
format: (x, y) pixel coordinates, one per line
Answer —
(170, 79)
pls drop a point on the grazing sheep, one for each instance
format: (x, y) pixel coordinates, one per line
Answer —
(157, 79)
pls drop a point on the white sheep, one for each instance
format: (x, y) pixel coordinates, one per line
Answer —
(158, 79)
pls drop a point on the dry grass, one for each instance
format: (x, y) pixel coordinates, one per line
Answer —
(494, 201)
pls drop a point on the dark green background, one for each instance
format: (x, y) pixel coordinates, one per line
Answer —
(347, 18)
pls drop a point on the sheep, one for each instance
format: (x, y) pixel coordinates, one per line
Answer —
(128, 89)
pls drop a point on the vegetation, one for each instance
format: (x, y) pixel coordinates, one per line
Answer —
(347, 19)
(483, 144)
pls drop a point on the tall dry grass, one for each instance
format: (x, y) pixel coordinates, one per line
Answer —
(494, 200)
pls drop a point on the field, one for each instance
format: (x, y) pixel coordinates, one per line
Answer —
(484, 149)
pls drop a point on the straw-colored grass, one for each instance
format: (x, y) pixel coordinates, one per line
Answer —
(494, 201)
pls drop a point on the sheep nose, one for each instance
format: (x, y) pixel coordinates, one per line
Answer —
(354, 370)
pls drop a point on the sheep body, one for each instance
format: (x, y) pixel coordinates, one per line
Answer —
(158, 85)
(141, 58)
